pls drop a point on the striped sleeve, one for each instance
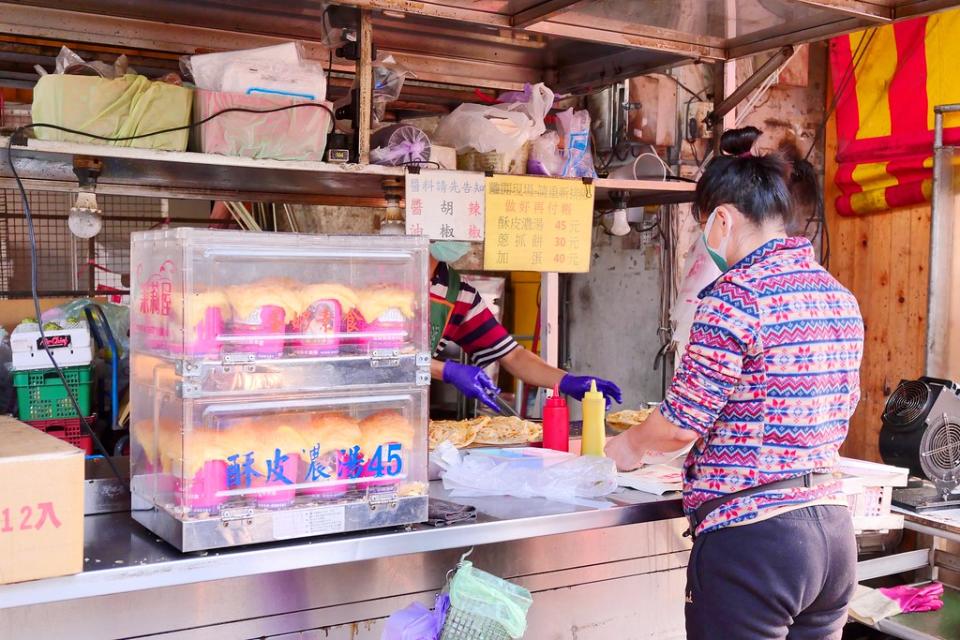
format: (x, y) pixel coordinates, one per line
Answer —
(725, 329)
(476, 330)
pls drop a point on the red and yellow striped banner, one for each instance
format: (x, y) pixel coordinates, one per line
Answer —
(884, 114)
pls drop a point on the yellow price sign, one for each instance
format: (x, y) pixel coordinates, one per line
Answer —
(537, 224)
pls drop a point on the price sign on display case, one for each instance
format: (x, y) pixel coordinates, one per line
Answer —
(538, 224)
(445, 205)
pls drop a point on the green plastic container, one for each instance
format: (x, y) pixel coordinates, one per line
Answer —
(42, 396)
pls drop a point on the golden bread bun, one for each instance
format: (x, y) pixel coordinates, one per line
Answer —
(196, 304)
(377, 300)
(385, 427)
(334, 432)
(246, 299)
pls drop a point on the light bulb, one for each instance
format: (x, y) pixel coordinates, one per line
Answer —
(84, 220)
(620, 226)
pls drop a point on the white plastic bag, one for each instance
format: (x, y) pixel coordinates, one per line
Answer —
(579, 480)
(207, 69)
(699, 271)
(545, 157)
(574, 129)
(399, 144)
(502, 128)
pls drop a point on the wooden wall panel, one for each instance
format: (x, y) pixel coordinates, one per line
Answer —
(883, 260)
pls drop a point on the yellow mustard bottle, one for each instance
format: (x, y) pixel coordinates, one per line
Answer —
(594, 428)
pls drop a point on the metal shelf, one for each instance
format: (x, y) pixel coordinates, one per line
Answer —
(169, 174)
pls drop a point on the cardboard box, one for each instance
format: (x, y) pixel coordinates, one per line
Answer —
(41, 504)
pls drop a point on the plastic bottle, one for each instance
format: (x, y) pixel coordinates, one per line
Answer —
(556, 423)
(594, 425)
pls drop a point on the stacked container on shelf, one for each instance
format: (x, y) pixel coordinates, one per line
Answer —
(278, 384)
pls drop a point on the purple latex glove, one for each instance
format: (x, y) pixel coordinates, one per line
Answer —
(577, 387)
(472, 382)
(416, 622)
(928, 597)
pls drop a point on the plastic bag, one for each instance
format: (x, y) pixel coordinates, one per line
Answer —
(294, 134)
(482, 594)
(399, 144)
(207, 69)
(116, 108)
(574, 481)
(303, 80)
(699, 271)
(574, 129)
(388, 79)
(69, 62)
(502, 128)
(545, 157)
(416, 622)
(118, 317)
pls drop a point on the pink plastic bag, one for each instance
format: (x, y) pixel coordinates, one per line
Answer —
(294, 134)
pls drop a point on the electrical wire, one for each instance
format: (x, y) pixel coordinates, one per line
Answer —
(31, 235)
(325, 25)
(31, 232)
(695, 94)
(823, 230)
(666, 169)
(848, 75)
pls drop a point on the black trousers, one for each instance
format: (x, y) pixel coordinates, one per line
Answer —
(789, 577)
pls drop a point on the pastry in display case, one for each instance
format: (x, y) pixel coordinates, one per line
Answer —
(218, 296)
(278, 388)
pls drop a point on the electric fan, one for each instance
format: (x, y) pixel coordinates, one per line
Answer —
(921, 431)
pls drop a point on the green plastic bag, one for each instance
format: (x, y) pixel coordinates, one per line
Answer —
(482, 594)
(117, 108)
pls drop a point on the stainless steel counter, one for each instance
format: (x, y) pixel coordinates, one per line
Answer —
(121, 556)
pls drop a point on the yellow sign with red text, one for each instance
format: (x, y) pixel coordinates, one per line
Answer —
(537, 224)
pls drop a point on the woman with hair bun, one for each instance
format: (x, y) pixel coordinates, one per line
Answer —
(764, 391)
(801, 176)
(739, 142)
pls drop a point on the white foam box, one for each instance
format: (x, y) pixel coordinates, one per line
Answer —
(71, 346)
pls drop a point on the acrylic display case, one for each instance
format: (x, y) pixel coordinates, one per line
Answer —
(278, 385)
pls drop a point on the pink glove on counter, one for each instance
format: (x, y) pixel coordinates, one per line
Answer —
(928, 597)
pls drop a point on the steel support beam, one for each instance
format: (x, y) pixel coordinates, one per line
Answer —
(75, 26)
(433, 10)
(637, 36)
(541, 12)
(801, 34)
(857, 8)
(912, 10)
(730, 102)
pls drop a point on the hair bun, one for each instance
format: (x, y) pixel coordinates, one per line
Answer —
(738, 142)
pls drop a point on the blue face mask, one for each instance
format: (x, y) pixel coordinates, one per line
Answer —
(449, 250)
(717, 255)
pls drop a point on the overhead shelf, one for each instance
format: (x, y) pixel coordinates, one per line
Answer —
(572, 45)
(48, 166)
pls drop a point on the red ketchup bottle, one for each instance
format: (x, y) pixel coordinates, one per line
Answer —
(556, 423)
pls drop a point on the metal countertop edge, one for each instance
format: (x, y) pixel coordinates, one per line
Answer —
(317, 552)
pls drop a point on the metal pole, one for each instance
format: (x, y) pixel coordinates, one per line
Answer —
(365, 75)
(940, 296)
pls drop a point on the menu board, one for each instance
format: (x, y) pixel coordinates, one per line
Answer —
(445, 205)
(538, 224)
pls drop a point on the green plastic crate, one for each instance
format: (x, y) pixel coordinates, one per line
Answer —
(42, 396)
